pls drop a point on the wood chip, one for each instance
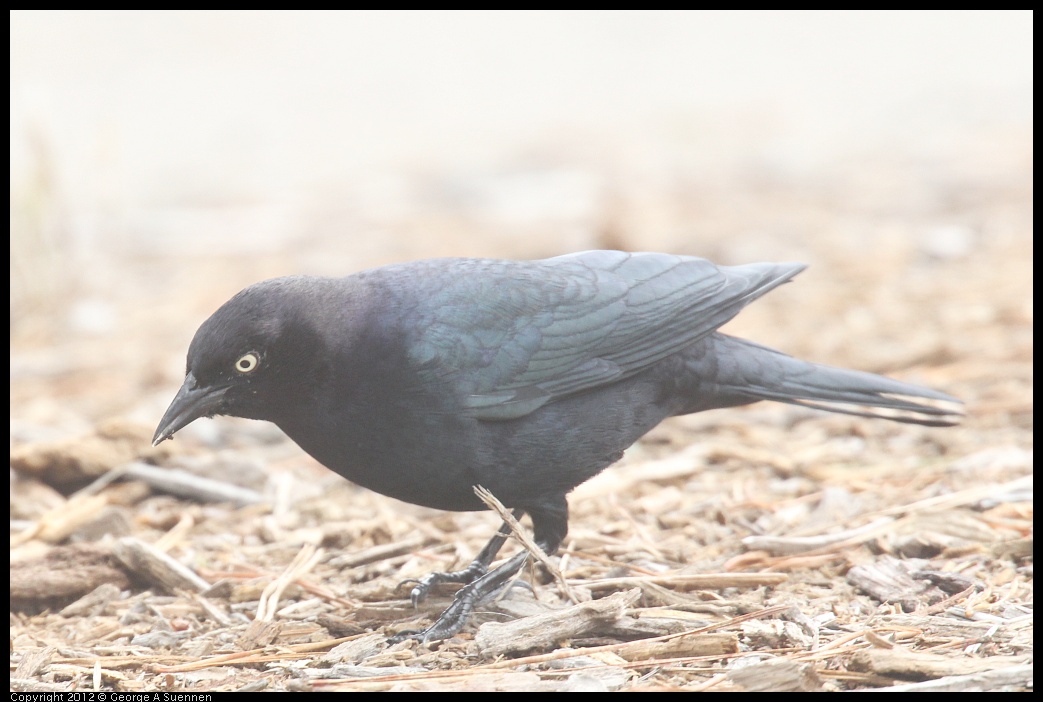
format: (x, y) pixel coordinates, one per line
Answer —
(63, 575)
(78, 460)
(696, 644)
(156, 567)
(776, 675)
(1016, 678)
(33, 662)
(173, 481)
(915, 665)
(544, 631)
(889, 580)
(92, 601)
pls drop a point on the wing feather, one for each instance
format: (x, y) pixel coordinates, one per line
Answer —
(516, 335)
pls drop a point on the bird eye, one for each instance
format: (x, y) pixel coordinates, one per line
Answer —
(247, 363)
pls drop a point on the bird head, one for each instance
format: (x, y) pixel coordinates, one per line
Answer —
(247, 359)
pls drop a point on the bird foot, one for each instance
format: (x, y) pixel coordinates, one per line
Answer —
(473, 594)
(423, 585)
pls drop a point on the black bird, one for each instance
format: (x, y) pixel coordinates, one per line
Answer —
(422, 380)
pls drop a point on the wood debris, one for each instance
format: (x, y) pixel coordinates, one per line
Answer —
(761, 548)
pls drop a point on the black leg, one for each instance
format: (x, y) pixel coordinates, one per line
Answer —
(479, 566)
(467, 598)
(550, 524)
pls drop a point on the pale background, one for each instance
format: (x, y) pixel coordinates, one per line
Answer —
(162, 161)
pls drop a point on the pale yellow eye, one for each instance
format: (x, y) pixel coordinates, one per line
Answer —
(247, 363)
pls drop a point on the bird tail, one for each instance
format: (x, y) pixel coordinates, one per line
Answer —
(761, 373)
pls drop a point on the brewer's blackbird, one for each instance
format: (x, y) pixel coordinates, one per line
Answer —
(422, 380)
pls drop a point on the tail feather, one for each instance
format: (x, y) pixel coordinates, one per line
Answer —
(767, 374)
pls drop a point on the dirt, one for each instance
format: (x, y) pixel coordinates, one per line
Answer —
(877, 537)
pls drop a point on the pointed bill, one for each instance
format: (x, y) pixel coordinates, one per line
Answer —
(190, 403)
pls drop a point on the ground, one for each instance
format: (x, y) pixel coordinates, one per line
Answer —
(769, 547)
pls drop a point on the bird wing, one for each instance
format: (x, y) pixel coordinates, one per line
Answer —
(516, 335)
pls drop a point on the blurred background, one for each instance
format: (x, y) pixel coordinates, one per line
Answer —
(160, 161)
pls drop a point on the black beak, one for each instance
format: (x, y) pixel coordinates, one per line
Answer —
(190, 403)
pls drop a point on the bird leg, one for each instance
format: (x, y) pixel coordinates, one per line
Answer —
(478, 567)
(470, 596)
(467, 598)
(549, 526)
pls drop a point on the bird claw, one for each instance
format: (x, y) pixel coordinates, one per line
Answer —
(407, 635)
(449, 622)
(423, 585)
(419, 591)
(477, 591)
